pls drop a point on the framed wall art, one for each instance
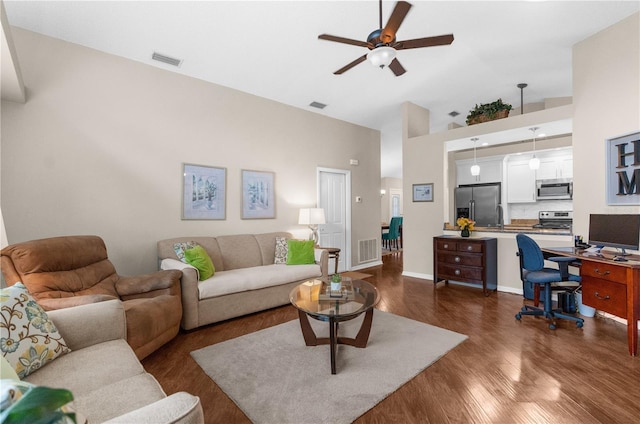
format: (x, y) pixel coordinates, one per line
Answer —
(203, 192)
(623, 169)
(423, 192)
(258, 195)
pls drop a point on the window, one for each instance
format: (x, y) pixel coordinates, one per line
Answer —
(395, 205)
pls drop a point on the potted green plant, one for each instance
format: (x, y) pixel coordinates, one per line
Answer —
(336, 282)
(488, 112)
(25, 403)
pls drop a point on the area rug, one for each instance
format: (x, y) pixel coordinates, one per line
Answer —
(274, 378)
(355, 275)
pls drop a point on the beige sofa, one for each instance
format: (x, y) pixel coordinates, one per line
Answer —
(103, 373)
(246, 279)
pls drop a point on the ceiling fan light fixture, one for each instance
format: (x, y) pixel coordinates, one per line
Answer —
(381, 56)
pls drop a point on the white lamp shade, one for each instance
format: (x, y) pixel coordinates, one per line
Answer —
(311, 216)
(475, 170)
(381, 56)
(534, 163)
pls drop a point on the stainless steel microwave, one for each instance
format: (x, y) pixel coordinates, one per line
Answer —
(560, 189)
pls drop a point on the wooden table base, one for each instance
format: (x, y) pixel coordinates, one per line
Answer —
(360, 340)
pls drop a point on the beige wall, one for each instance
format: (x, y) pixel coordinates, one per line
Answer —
(423, 162)
(606, 83)
(606, 93)
(99, 145)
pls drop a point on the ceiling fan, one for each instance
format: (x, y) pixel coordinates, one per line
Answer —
(383, 45)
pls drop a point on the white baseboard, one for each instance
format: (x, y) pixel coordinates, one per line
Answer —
(366, 265)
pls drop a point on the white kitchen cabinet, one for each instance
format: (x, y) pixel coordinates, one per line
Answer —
(521, 182)
(554, 165)
(490, 171)
(552, 168)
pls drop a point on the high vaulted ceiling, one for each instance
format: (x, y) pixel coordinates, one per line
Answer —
(271, 49)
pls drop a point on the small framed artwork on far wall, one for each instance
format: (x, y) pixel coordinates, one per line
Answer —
(423, 192)
(258, 195)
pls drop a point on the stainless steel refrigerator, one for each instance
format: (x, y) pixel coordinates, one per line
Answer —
(480, 202)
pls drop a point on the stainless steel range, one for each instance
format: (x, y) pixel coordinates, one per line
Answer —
(557, 220)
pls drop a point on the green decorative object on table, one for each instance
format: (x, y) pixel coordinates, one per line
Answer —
(336, 282)
(466, 225)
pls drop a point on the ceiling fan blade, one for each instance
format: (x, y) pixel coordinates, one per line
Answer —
(396, 67)
(396, 18)
(439, 40)
(345, 40)
(351, 65)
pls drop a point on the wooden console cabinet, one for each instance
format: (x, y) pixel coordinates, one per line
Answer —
(469, 260)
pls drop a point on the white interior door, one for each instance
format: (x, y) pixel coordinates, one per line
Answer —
(395, 202)
(333, 195)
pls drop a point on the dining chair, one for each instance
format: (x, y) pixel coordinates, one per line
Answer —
(390, 238)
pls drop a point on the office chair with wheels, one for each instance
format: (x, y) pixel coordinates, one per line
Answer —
(533, 271)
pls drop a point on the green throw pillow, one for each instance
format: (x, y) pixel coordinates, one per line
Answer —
(198, 257)
(300, 252)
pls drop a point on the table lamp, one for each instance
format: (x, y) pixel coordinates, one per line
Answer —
(312, 217)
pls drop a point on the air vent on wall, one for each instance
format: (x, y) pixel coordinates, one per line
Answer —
(367, 250)
(166, 59)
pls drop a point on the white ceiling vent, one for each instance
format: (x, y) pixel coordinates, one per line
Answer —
(166, 59)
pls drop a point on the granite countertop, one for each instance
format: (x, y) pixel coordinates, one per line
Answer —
(516, 226)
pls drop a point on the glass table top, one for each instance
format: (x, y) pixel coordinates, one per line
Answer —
(315, 298)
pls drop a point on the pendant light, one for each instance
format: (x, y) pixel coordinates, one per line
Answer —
(475, 169)
(534, 163)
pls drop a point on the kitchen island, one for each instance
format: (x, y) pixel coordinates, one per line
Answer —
(508, 278)
(514, 228)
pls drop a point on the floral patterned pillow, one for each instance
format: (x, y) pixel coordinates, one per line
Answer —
(282, 248)
(28, 338)
(179, 248)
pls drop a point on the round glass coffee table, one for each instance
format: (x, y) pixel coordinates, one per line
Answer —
(314, 299)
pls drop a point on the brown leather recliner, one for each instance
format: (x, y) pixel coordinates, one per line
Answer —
(67, 271)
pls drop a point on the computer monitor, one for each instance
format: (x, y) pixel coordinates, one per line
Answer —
(621, 231)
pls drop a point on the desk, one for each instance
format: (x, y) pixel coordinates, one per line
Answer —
(612, 287)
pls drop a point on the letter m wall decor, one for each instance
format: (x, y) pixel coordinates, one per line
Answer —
(623, 170)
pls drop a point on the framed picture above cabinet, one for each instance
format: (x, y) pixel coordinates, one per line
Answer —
(423, 192)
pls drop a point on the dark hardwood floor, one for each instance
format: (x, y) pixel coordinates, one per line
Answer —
(506, 372)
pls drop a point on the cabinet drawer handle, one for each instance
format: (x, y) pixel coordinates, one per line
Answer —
(446, 246)
(601, 297)
(597, 271)
(469, 247)
(457, 272)
(456, 259)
